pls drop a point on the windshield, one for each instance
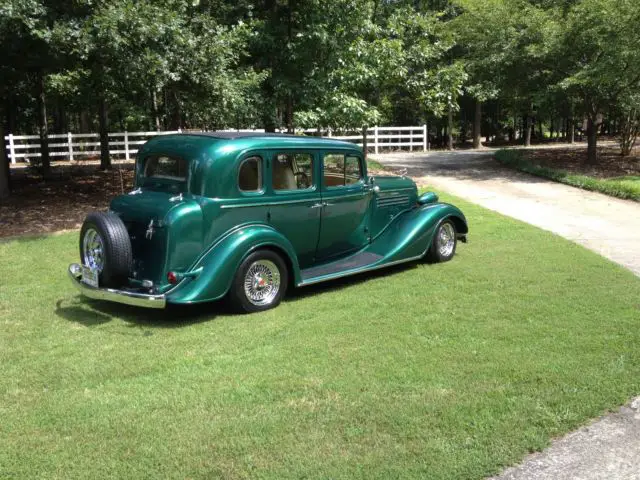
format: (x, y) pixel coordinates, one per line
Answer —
(165, 172)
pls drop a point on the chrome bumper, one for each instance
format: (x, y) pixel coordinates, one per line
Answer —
(119, 296)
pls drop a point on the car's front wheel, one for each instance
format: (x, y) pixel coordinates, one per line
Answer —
(443, 245)
(260, 282)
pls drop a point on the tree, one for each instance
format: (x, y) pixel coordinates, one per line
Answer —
(629, 116)
(598, 58)
(4, 168)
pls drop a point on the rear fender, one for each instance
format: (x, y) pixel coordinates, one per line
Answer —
(218, 265)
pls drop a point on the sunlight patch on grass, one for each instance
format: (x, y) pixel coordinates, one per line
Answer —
(442, 371)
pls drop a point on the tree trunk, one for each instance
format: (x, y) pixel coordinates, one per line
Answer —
(527, 131)
(540, 130)
(571, 131)
(84, 122)
(45, 163)
(629, 131)
(103, 117)
(289, 114)
(176, 114)
(364, 141)
(477, 126)
(592, 141)
(154, 106)
(4, 167)
(450, 129)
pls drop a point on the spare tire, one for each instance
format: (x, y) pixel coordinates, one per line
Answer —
(106, 248)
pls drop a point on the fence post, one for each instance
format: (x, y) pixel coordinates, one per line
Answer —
(126, 145)
(375, 137)
(12, 150)
(425, 139)
(70, 145)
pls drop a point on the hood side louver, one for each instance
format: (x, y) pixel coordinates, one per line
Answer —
(392, 201)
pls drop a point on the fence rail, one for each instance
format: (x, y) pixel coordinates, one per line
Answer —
(75, 146)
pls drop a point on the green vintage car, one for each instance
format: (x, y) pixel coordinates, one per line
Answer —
(248, 215)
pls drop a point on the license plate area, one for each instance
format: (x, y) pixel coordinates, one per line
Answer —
(89, 276)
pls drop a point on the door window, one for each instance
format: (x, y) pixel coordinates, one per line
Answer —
(341, 170)
(292, 171)
(250, 175)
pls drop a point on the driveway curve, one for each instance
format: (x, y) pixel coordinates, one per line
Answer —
(606, 225)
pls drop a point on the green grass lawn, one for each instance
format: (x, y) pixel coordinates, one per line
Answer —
(426, 371)
(627, 187)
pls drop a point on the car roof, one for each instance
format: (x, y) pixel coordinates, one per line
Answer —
(225, 135)
(267, 139)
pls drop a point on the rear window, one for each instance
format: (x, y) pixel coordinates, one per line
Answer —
(165, 167)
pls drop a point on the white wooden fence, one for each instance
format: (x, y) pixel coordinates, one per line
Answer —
(77, 146)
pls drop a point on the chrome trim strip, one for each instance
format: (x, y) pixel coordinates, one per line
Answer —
(340, 197)
(393, 190)
(355, 272)
(385, 201)
(269, 204)
(109, 294)
(393, 200)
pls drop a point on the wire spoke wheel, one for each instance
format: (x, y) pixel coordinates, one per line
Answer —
(446, 239)
(262, 282)
(93, 250)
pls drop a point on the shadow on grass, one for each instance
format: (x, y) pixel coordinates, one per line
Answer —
(92, 313)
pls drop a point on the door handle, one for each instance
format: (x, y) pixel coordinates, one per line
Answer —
(320, 205)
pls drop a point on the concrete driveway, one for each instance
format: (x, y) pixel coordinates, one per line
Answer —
(606, 225)
(609, 448)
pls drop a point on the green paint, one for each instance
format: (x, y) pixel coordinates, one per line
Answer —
(207, 224)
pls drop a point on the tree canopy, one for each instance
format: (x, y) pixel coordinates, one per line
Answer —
(497, 67)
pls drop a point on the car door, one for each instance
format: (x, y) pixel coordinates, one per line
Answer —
(295, 203)
(345, 212)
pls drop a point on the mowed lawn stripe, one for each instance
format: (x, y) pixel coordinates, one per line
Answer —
(422, 371)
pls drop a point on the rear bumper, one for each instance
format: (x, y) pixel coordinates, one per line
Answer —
(119, 296)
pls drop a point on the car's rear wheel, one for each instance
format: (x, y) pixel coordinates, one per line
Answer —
(260, 282)
(443, 245)
(105, 247)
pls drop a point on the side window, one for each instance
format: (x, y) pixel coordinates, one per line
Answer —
(292, 171)
(250, 175)
(341, 170)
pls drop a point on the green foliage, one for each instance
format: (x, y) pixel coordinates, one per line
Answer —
(597, 51)
(622, 187)
(343, 64)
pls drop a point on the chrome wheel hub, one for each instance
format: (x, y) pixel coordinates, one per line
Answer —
(262, 282)
(93, 250)
(447, 239)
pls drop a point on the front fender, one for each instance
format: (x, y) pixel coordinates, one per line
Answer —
(410, 235)
(222, 259)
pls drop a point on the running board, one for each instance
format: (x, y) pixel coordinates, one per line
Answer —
(358, 263)
(355, 263)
